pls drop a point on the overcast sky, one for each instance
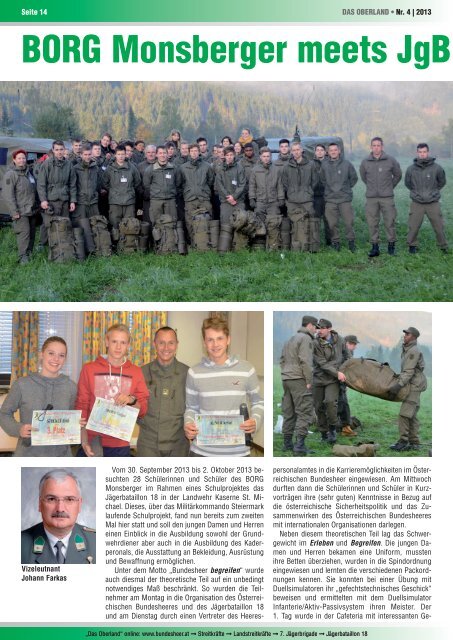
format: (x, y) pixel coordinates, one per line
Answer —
(370, 327)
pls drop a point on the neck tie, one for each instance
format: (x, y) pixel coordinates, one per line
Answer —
(59, 555)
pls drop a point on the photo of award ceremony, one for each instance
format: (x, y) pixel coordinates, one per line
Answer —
(131, 383)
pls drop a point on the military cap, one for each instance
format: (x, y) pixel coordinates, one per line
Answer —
(324, 324)
(413, 331)
(309, 320)
(352, 339)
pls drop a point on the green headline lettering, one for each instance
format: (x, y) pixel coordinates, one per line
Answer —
(248, 54)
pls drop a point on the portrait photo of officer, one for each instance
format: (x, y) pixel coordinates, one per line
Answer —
(65, 500)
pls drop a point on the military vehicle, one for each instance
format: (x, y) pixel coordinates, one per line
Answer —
(308, 143)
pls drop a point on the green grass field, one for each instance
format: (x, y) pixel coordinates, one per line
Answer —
(244, 276)
(379, 424)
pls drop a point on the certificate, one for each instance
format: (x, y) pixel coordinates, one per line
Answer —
(112, 419)
(219, 430)
(55, 427)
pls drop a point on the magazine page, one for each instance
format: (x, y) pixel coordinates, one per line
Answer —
(224, 247)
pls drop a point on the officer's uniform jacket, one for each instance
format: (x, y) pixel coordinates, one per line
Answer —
(35, 546)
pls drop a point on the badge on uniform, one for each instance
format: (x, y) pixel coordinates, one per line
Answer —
(234, 182)
(31, 178)
(79, 543)
(165, 392)
(123, 179)
(168, 176)
(38, 544)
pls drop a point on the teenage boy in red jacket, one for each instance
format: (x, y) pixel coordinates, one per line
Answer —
(113, 377)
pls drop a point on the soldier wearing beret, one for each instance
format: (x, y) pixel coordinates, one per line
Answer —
(412, 366)
(59, 539)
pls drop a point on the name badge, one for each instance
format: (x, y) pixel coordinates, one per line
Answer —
(123, 179)
(168, 176)
(234, 182)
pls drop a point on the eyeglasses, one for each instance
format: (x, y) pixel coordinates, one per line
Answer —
(67, 500)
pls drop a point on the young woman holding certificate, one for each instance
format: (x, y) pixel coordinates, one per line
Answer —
(44, 391)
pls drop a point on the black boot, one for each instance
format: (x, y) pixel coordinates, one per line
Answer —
(332, 435)
(374, 253)
(351, 245)
(391, 248)
(412, 249)
(324, 436)
(300, 448)
(336, 246)
(401, 445)
(288, 442)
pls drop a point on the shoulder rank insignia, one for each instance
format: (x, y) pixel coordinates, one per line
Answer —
(38, 544)
(79, 543)
(89, 529)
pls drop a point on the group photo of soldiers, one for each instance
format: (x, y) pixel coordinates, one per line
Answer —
(352, 384)
(103, 196)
